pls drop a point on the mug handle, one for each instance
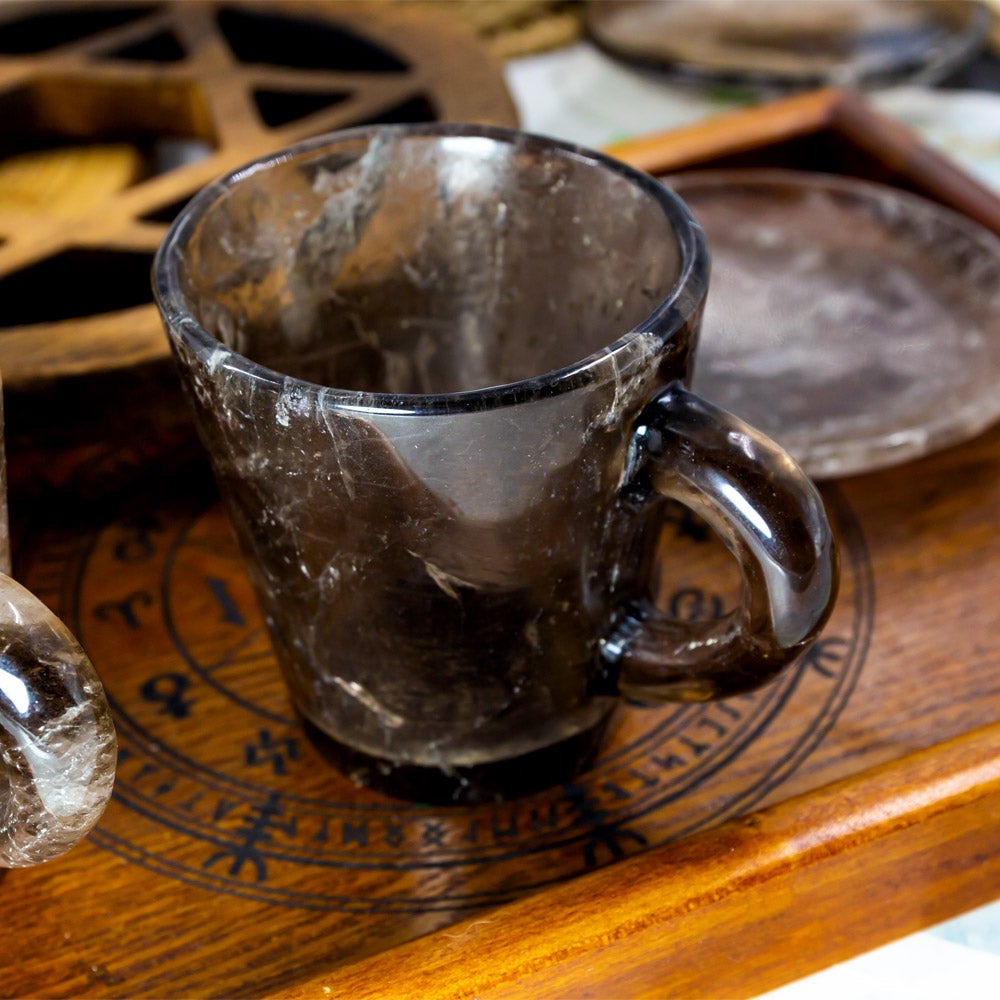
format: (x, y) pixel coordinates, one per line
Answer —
(769, 515)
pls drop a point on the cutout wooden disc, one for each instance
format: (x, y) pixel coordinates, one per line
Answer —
(120, 113)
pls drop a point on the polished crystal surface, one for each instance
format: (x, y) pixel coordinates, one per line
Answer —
(57, 740)
(783, 44)
(433, 569)
(425, 363)
(856, 324)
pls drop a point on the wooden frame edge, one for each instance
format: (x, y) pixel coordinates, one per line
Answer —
(842, 111)
(730, 132)
(824, 875)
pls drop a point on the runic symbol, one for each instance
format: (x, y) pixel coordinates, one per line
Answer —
(825, 654)
(692, 604)
(434, 834)
(603, 834)
(273, 751)
(126, 608)
(138, 544)
(255, 829)
(169, 690)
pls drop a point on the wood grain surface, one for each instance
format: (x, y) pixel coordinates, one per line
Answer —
(829, 130)
(734, 911)
(195, 89)
(706, 850)
(233, 862)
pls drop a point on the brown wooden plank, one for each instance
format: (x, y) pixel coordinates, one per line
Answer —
(830, 130)
(729, 133)
(733, 911)
(176, 894)
(174, 902)
(81, 93)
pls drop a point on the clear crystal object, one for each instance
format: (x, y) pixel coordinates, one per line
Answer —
(57, 742)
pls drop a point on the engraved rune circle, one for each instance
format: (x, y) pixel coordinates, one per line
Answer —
(219, 787)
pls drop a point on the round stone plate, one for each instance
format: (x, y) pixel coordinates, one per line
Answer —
(857, 324)
(776, 43)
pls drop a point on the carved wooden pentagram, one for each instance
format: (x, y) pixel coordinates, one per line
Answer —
(219, 787)
(193, 89)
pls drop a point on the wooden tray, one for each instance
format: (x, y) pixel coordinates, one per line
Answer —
(825, 130)
(714, 850)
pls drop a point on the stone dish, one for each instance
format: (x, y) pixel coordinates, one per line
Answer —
(777, 44)
(857, 324)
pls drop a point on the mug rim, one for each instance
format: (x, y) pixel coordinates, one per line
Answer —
(669, 315)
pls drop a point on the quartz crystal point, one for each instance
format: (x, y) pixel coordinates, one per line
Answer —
(57, 741)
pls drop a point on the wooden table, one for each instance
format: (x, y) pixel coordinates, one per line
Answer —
(713, 850)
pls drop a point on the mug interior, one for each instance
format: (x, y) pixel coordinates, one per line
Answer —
(395, 261)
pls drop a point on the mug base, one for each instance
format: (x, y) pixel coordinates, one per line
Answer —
(496, 781)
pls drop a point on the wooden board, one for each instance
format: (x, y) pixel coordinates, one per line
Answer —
(705, 854)
(734, 911)
(826, 130)
(195, 89)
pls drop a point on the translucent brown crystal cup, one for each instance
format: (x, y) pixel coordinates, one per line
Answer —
(440, 372)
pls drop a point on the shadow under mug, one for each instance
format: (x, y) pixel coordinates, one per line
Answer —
(440, 371)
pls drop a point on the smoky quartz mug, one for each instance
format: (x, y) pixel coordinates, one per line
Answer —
(440, 372)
